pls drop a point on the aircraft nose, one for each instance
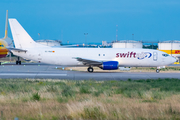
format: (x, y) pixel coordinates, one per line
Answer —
(173, 59)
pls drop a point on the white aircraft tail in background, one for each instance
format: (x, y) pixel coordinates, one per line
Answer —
(6, 41)
(6, 26)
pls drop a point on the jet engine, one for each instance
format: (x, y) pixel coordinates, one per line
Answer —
(110, 65)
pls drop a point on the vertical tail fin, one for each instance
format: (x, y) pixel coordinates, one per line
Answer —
(6, 26)
(21, 37)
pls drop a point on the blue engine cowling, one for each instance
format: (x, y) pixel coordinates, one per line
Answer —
(110, 65)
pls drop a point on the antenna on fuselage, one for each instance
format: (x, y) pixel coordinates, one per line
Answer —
(6, 26)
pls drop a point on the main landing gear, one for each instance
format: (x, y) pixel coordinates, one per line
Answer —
(90, 69)
(157, 70)
(18, 62)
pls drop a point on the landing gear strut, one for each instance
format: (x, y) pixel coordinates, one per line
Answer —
(90, 69)
(157, 70)
(18, 62)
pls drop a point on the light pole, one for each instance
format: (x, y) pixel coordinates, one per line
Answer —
(132, 36)
(85, 37)
(116, 32)
(39, 35)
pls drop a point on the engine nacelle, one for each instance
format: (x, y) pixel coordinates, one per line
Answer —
(110, 65)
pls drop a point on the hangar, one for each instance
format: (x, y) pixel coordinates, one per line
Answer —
(49, 42)
(127, 44)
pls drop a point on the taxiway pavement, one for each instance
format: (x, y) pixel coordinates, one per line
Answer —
(43, 71)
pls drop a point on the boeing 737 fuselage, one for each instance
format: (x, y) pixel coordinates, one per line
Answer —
(104, 58)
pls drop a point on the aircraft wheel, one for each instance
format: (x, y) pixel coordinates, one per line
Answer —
(157, 70)
(90, 69)
(18, 62)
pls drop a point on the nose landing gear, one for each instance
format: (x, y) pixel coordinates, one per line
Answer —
(157, 70)
(90, 69)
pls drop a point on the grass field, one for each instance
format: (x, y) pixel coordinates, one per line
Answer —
(63, 99)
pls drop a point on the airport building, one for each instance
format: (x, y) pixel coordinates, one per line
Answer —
(49, 42)
(127, 44)
(105, 43)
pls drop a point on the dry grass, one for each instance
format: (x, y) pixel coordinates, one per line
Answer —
(116, 107)
(60, 102)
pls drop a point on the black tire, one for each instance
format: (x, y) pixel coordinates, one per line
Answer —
(157, 70)
(90, 69)
(16, 62)
(0, 63)
(19, 62)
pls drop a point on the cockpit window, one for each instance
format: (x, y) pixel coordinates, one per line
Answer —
(165, 55)
(1, 45)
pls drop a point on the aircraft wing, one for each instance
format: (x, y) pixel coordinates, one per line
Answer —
(89, 61)
(18, 50)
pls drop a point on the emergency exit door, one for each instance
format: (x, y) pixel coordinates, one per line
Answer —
(155, 56)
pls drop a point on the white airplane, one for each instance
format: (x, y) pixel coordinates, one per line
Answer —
(104, 58)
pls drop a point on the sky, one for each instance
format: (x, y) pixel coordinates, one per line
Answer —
(68, 20)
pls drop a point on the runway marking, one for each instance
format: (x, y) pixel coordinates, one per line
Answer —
(21, 74)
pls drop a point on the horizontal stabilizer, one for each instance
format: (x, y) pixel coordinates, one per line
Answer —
(18, 50)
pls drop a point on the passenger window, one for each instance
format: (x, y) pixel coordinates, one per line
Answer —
(99, 54)
(103, 54)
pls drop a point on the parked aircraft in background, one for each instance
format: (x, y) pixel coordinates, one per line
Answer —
(175, 53)
(5, 42)
(104, 58)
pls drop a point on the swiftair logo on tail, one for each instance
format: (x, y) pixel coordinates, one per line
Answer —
(139, 56)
